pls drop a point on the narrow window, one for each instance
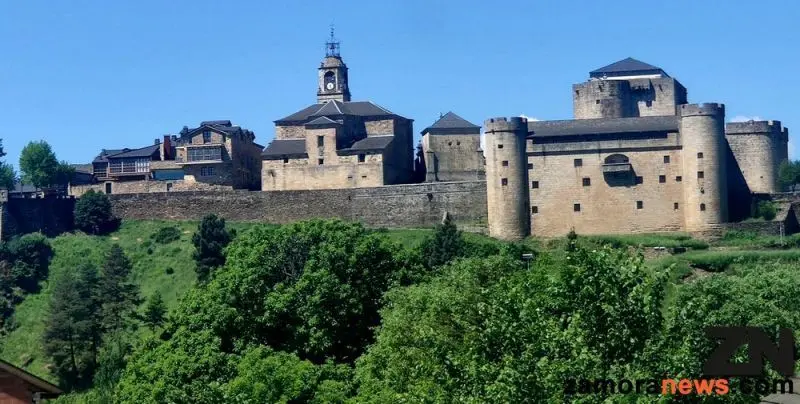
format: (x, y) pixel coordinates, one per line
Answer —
(699, 155)
(662, 178)
(363, 177)
(576, 207)
(535, 184)
(210, 170)
(578, 162)
(285, 160)
(703, 207)
(700, 175)
(499, 146)
(587, 181)
(504, 181)
(361, 158)
(596, 101)
(458, 143)
(449, 143)
(349, 177)
(675, 206)
(678, 179)
(206, 137)
(639, 180)
(320, 141)
(321, 161)
(666, 159)
(534, 209)
(639, 204)
(505, 163)
(530, 166)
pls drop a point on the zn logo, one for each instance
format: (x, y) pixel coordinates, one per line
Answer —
(759, 347)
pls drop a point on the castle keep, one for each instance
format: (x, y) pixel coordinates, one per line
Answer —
(636, 158)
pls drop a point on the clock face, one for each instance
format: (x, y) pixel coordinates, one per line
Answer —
(329, 86)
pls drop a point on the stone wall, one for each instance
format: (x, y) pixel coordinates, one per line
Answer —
(147, 186)
(409, 206)
(453, 157)
(50, 215)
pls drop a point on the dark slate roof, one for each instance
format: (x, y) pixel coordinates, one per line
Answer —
(142, 152)
(626, 67)
(371, 143)
(103, 156)
(599, 126)
(449, 122)
(323, 120)
(335, 108)
(86, 168)
(215, 123)
(285, 147)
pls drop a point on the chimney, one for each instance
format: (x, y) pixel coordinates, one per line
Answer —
(166, 148)
(157, 141)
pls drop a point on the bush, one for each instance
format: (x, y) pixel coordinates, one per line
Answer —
(93, 213)
(766, 210)
(166, 235)
(31, 256)
(169, 271)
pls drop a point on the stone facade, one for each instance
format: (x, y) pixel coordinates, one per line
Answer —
(337, 143)
(452, 150)
(637, 158)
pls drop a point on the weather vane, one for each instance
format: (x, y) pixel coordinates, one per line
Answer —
(332, 46)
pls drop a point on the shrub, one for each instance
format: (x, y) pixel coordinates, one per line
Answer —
(31, 256)
(767, 210)
(93, 213)
(169, 271)
(166, 235)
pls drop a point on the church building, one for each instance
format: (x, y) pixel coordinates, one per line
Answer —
(336, 142)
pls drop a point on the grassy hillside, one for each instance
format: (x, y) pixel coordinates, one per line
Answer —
(168, 269)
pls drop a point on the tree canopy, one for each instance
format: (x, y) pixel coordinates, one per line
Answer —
(40, 167)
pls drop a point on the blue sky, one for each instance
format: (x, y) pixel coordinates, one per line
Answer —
(86, 75)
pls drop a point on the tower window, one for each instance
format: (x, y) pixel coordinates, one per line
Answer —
(666, 159)
(504, 181)
(535, 184)
(639, 180)
(576, 207)
(363, 177)
(505, 163)
(701, 175)
(499, 146)
(700, 155)
(675, 206)
(639, 204)
(361, 158)
(285, 160)
(678, 179)
(530, 166)
(662, 178)
(597, 101)
(534, 209)
(578, 162)
(320, 141)
(587, 182)
(703, 207)
(321, 161)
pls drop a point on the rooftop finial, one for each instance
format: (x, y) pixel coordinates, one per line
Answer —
(332, 46)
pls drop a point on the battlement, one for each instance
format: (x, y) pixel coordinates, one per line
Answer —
(705, 109)
(503, 124)
(753, 127)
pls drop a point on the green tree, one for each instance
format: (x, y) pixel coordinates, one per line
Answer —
(72, 333)
(31, 255)
(155, 311)
(445, 245)
(119, 296)
(7, 174)
(38, 164)
(209, 242)
(789, 173)
(93, 213)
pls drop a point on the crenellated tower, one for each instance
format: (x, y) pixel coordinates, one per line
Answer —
(702, 131)
(507, 178)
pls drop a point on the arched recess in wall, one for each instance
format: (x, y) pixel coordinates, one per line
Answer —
(618, 171)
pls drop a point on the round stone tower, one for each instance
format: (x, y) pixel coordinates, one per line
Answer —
(759, 148)
(705, 193)
(507, 178)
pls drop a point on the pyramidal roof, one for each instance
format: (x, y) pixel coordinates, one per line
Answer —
(627, 67)
(451, 122)
(338, 108)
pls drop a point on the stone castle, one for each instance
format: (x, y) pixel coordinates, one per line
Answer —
(637, 157)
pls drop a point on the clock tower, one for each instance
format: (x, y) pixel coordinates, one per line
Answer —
(332, 75)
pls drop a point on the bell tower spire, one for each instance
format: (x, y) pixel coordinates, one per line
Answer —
(333, 74)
